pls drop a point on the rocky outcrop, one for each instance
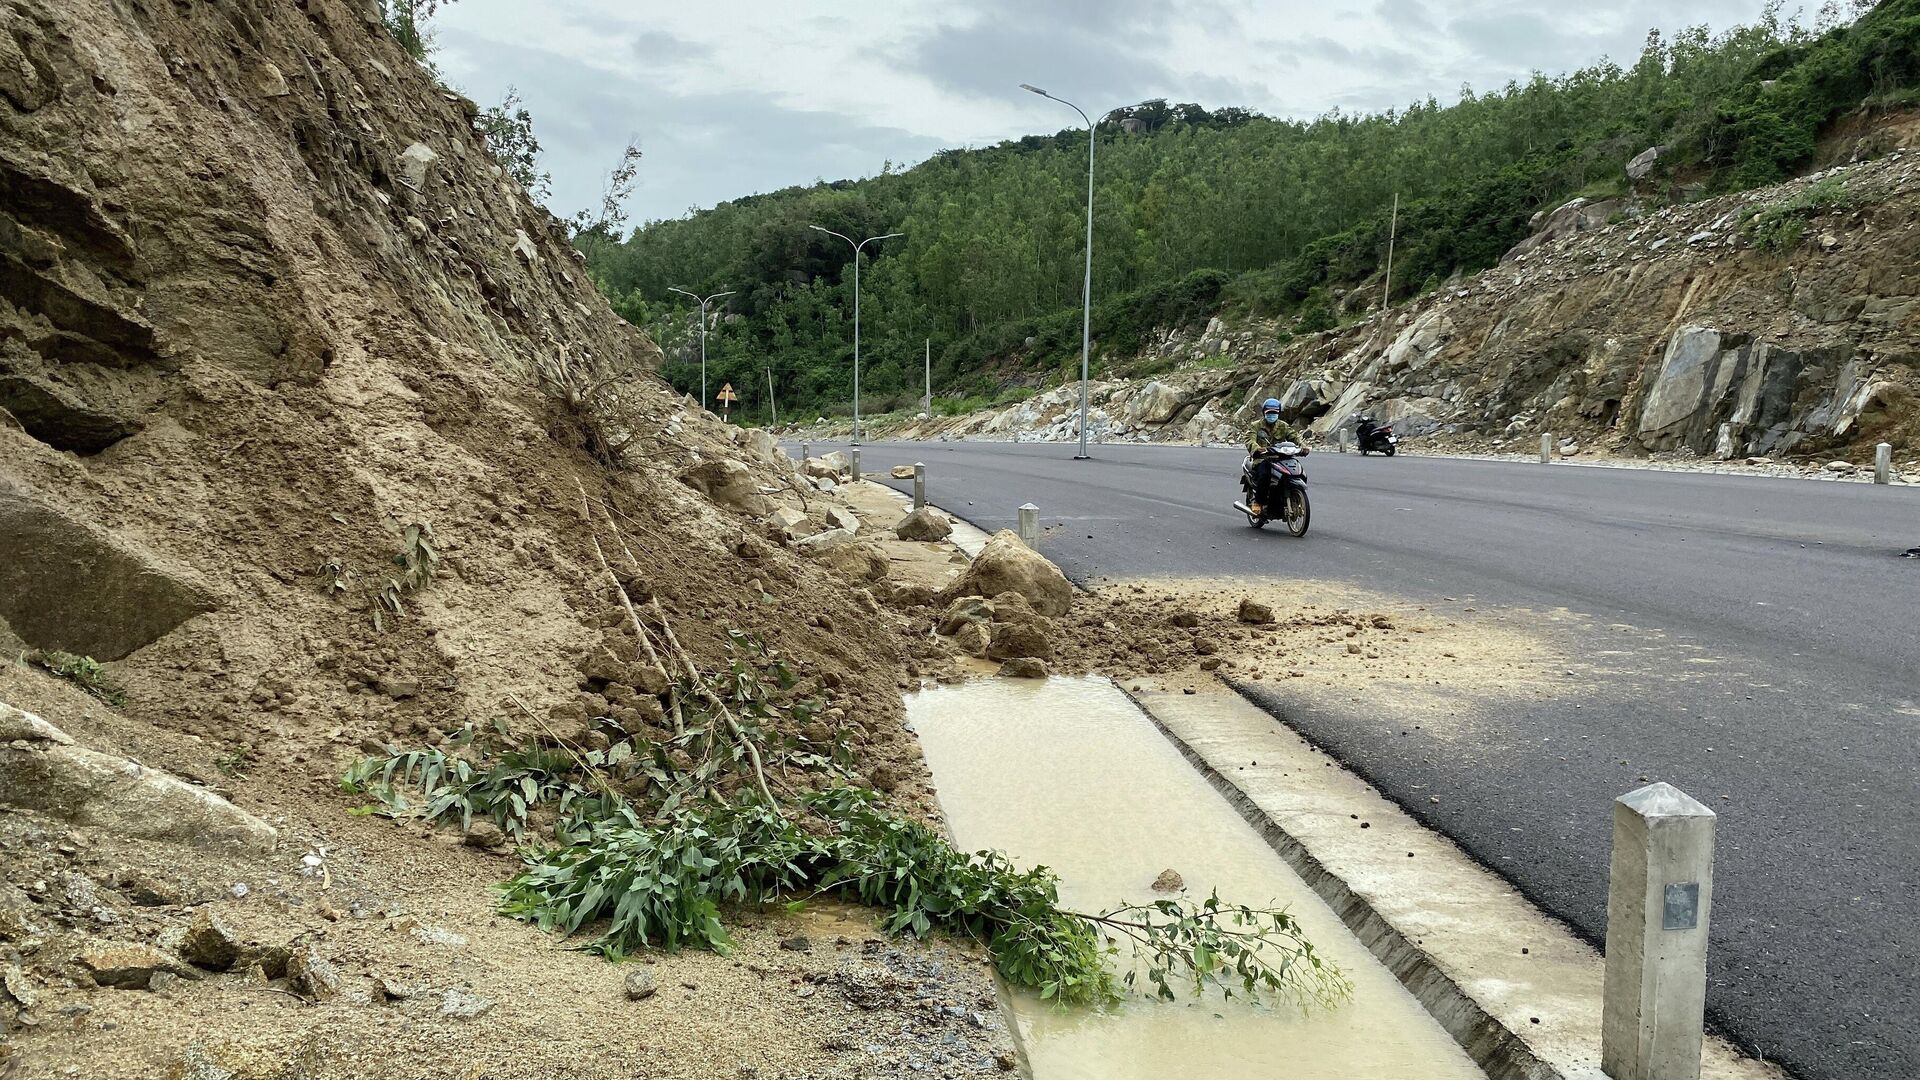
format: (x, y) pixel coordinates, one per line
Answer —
(41, 769)
(69, 586)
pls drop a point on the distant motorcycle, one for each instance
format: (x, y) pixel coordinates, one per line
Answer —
(1286, 499)
(1376, 437)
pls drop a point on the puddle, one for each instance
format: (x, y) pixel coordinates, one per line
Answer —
(1069, 774)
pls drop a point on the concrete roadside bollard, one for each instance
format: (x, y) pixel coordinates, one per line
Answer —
(806, 451)
(855, 457)
(919, 484)
(1546, 448)
(1883, 463)
(1660, 894)
(1030, 526)
(1340, 440)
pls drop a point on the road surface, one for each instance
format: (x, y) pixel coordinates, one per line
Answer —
(1773, 645)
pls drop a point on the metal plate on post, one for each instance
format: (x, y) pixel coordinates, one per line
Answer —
(1681, 909)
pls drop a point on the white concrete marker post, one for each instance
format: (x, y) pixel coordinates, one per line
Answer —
(919, 484)
(1659, 897)
(1883, 463)
(806, 451)
(1546, 448)
(1030, 526)
(856, 464)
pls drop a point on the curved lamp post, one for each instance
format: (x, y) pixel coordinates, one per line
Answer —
(1086, 288)
(856, 314)
(703, 335)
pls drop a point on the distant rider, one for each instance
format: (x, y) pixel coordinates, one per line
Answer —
(1265, 434)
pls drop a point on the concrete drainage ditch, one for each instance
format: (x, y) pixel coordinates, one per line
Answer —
(1070, 773)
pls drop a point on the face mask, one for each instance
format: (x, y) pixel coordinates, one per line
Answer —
(1273, 418)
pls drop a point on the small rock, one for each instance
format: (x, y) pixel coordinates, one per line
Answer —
(640, 984)
(1842, 467)
(131, 967)
(485, 834)
(1187, 618)
(1255, 613)
(903, 472)
(1023, 667)
(1169, 881)
(798, 943)
(209, 943)
(312, 974)
(460, 1004)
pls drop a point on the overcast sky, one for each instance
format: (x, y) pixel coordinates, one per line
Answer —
(727, 99)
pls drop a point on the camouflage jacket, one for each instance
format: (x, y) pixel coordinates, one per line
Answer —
(1261, 435)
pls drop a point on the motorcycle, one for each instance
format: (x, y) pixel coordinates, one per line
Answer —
(1376, 437)
(1287, 501)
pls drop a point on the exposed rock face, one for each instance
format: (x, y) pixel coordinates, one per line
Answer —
(69, 586)
(1007, 565)
(41, 769)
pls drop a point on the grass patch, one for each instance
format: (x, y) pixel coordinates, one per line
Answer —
(1779, 226)
(84, 672)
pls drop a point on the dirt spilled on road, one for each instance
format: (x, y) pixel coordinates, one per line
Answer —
(1436, 659)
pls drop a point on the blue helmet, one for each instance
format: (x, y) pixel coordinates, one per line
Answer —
(1271, 405)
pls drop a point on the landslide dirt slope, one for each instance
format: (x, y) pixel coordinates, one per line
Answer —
(265, 303)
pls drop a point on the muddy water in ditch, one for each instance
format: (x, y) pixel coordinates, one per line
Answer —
(1068, 773)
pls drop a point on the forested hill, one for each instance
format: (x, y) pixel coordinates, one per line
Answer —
(1198, 211)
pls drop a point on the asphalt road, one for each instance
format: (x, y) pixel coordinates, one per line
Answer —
(1763, 654)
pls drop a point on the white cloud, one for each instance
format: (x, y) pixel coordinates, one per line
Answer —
(761, 94)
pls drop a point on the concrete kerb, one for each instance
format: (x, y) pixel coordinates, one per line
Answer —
(1514, 987)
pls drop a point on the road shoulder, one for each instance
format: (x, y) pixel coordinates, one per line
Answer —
(1517, 989)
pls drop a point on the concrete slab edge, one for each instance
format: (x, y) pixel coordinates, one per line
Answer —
(1501, 1052)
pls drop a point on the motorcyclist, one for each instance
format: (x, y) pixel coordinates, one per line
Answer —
(1266, 433)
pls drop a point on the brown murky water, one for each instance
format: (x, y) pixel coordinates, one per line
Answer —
(1068, 773)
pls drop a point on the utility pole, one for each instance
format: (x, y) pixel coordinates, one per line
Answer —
(1086, 288)
(856, 315)
(929, 405)
(1393, 226)
(703, 334)
(772, 402)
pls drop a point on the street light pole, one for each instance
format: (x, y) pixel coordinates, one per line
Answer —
(703, 335)
(1086, 288)
(856, 314)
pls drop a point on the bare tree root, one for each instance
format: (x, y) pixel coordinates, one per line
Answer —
(619, 590)
(686, 662)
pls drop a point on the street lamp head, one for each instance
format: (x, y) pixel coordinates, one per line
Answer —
(817, 228)
(1032, 89)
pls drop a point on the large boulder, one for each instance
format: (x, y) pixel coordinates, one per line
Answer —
(42, 770)
(729, 484)
(926, 524)
(1568, 219)
(1154, 403)
(67, 586)
(1642, 164)
(859, 561)
(1007, 565)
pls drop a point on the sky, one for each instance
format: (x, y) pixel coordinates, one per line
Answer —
(746, 96)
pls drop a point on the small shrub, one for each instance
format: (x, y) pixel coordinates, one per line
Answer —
(84, 672)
